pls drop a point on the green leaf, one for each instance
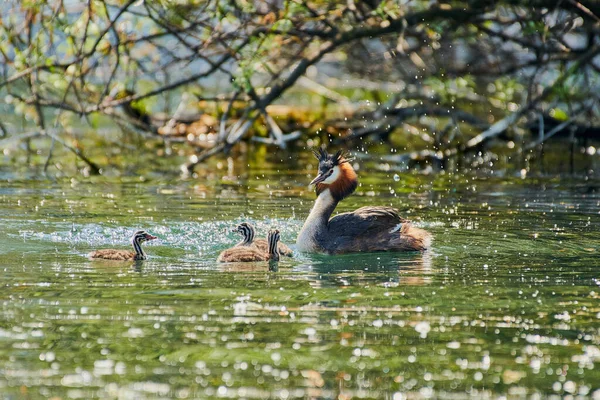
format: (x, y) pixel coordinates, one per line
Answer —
(559, 114)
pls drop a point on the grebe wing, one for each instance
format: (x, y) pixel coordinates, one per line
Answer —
(365, 221)
(374, 229)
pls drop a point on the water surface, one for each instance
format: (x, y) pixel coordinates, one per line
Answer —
(505, 303)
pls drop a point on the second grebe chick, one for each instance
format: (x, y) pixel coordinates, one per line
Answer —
(125, 255)
(240, 253)
(364, 230)
(248, 234)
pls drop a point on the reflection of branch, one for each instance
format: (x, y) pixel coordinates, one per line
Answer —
(543, 137)
(550, 133)
(188, 168)
(94, 169)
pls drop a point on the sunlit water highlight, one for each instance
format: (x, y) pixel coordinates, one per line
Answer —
(505, 303)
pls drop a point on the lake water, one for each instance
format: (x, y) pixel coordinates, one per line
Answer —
(506, 303)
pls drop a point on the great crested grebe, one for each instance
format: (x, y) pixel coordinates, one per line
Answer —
(248, 233)
(125, 255)
(241, 253)
(364, 230)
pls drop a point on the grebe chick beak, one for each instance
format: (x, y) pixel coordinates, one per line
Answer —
(148, 236)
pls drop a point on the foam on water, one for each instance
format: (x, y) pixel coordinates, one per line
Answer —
(203, 237)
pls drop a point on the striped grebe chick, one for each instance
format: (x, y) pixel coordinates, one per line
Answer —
(364, 230)
(248, 234)
(240, 253)
(125, 255)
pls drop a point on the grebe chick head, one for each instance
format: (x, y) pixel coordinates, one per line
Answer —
(335, 174)
(136, 240)
(272, 239)
(247, 232)
(141, 237)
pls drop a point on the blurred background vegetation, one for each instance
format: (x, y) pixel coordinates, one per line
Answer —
(112, 87)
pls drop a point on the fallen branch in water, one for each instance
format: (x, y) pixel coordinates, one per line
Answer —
(389, 119)
(548, 135)
(496, 129)
(289, 137)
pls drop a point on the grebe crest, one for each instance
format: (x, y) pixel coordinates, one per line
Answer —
(335, 174)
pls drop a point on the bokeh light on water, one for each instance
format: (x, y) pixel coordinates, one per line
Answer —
(505, 304)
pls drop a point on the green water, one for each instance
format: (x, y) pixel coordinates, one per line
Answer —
(506, 303)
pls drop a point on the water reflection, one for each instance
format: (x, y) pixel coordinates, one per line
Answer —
(411, 268)
(504, 304)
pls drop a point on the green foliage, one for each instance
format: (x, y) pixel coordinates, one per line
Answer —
(66, 57)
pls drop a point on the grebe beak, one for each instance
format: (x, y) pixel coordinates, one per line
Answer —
(319, 178)
(150, 237)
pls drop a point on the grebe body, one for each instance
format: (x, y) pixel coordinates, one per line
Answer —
(249, 239)
(367, 229)
(125, 255)
(242, 253)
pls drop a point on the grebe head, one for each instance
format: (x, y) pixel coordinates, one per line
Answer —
(137, 239)
(142, 236)
(247, 232)
(335, 174)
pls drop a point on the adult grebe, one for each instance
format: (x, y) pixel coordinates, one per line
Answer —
(125, 255)
(248, 234)
(364, 230)
(240, 253)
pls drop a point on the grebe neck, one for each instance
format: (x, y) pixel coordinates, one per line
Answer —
(137, 246)
(273, 250)
(315, 225)
(324, 206)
